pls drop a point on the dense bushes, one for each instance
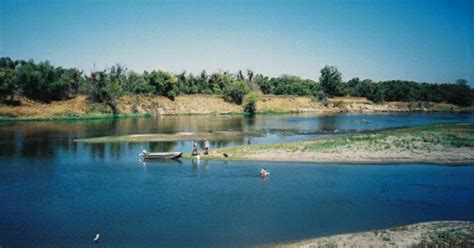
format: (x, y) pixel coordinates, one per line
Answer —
(235, 92)
(8, 86)
(44, 82)
(408, 91)
(163, 83)
(250, 102)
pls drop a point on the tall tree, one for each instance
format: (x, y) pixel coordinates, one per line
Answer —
(8, 86)
(165, 83)
(331, 81)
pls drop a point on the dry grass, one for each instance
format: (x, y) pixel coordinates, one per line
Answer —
(194, 104)
(210, 104)
(31, 109)
(270, 103)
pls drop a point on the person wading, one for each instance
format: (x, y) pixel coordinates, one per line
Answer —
(206, 147)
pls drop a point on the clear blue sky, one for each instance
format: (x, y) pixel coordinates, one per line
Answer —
(430, 41)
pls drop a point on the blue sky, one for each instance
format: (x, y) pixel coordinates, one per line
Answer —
(430, 41)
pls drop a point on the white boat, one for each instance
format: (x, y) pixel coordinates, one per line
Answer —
(159, 155)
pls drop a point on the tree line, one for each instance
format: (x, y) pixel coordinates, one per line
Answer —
(45, 82)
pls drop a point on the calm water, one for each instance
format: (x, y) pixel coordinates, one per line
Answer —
(55, 192)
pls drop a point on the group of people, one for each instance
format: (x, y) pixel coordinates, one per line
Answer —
(263, 172)
(195, 148)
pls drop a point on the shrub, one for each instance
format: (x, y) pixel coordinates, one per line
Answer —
(236, 91)
(250, 102)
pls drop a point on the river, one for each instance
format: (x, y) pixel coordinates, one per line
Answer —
(58, 193)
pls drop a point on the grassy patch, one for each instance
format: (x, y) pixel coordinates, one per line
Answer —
(452, 237)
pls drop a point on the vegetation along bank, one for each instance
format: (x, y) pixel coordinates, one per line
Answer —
(41, 90)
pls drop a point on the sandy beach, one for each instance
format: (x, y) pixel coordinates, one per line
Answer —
(426, 234)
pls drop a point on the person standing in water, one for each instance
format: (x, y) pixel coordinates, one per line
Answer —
(195, 149)
(206, 147)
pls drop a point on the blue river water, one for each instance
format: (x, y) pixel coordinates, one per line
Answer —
(55, 192)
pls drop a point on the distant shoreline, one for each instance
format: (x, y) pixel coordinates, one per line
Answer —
(79, 108)
(424, 234)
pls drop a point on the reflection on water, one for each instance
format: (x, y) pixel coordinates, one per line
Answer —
(48, 139)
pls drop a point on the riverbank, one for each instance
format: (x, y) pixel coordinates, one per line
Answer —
(438, 144)
(77, 108)
(427, 234)
(80, 108)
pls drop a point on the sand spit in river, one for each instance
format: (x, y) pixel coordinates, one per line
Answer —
(439, 144)
(218, 135)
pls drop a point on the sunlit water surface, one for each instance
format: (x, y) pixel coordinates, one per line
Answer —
(56, 192)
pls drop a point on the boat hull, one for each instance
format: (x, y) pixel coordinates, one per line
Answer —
(160, 155)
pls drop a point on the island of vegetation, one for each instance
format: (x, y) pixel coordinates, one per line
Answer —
(426, 234)
(437, 144)
(30, 90)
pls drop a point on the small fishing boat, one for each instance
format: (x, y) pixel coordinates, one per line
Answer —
(159, 155)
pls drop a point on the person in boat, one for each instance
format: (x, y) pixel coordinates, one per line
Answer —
(264, 172)
(195, 149)
(206, 147)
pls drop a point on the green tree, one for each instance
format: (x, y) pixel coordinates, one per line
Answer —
(203, 84)
(461, 82)
(236, 91)
(462, 94)
(118, 76)
(42, 81)
(6, 62)
(138, 84)
(8, 86)
(331, 81)
(264, 84)
(165, 83)
(218, 81)
(377, 95)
